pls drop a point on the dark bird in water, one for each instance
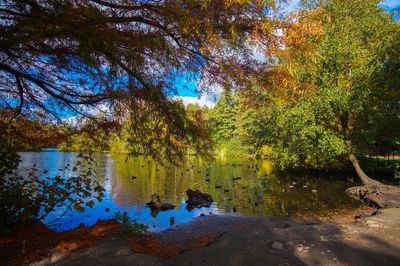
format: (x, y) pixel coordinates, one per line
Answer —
(157, 170)
(236, 178)
(207, 179)
(199, 172)
(133, 177)
(207, 174)
(156, 205)
(226, 190)
(217, 187)
(234, 209)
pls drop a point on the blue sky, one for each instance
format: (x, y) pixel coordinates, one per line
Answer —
(392, 3)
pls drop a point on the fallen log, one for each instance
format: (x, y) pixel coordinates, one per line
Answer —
(377, 196)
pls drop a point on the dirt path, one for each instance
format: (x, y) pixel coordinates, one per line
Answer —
(264, 241)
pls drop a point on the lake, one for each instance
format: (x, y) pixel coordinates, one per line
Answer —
(260, 191)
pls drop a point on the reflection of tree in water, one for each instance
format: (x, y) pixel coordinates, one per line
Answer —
(257, 191)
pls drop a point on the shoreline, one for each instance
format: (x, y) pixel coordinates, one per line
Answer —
(294, 240)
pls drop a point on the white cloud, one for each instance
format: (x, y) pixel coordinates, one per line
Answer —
(208, 98)
(203, 100)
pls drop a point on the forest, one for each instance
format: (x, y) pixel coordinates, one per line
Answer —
(315, 88)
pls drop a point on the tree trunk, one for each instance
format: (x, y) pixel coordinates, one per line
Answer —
(373, 193)
(365, 179)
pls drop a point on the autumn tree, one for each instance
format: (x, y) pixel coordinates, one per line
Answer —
(70, 57)
(334, 91)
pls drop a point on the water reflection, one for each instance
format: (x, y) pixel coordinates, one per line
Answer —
(247, 187)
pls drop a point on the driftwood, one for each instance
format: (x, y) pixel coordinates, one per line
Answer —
(381, 196)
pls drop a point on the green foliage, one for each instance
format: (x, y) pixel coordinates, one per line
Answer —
(29, 198)
(9, 158)
(96, 141)
(223, 118)
(130, 226)
(301, 135)
(339, 90)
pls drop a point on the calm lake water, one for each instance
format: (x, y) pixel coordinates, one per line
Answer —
(261, 191)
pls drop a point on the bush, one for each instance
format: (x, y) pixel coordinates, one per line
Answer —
(28, 199)
(130, 226)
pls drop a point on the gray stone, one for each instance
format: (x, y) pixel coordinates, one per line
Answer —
(277, 245)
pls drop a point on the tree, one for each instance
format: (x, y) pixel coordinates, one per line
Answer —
(336, 82)
(64, 57)
(223, 118)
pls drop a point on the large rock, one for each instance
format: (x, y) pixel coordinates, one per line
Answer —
(197, 199)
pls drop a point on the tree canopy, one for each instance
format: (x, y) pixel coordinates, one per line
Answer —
(69, 57)
(334, 90)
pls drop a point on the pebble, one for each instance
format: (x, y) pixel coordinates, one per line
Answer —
(277, 245)
(290, 243)
(372, 224)
(313, 191)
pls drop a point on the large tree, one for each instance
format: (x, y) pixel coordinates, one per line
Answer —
(67, 57)
(335, 89)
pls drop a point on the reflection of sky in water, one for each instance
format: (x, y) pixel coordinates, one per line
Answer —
(258, 192)
(62, 219)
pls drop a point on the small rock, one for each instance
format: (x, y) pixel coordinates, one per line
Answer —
(314, 191)
(277, 245)
(371, 223)
(107, 209)
(290, 243)
(323, 238)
